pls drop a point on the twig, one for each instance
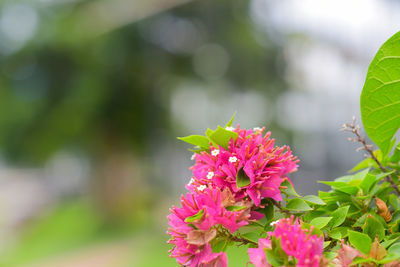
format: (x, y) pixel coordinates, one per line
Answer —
(355, 129)
(278, 205)
(243, 241)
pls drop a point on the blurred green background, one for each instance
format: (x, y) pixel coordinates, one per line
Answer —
(94, 92)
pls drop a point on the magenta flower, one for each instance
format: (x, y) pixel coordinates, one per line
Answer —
(295, 242)
(263, 163)
(346, 255)
(299, 243)
(257, 255)
(193, 226)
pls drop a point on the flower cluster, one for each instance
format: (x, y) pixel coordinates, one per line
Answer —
(192, 226)
(215, 198)
(263, 163)
(295, 242)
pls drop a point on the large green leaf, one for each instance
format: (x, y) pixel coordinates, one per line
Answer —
(380, 98)
(339, 216)
(297, 204)
(374, 228)
(196, 140)
(287, 188)
(320, 222)
(360, 241)
(222, 137)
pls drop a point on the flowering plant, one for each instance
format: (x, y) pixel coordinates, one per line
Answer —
(240, 193)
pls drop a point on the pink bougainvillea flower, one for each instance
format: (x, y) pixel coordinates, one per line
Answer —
(257, 255)
(298, 242)
(295, 242)
(346, 255)
(193, 226)
(264, 164)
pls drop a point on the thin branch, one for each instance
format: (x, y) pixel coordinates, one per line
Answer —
(278, 205)
(243, 241)
(355, 129)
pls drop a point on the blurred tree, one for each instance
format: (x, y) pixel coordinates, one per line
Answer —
(107, 96)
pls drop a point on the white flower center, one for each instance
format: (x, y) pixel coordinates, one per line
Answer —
(201, 187)
(215, 152)
(232, 159)
(274, 222)
(256, 129)
(210, 175)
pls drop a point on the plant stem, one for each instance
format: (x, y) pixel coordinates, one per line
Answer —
(355, 129)
(278, 205)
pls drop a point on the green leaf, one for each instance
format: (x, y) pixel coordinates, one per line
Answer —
(229, 124)
(268, 210)
(394, 202)
(297, 204)
(288, 189)
(380, 98)
(273, 259)
(396, 155)
(195, 217)
(242, 179)
(219, 245)
(236, 208)
(320, 222)
(368, 181)
(336, 234)
(339, 216)
(314, 200)
(394, 249)
(360, 241)
(389, 242)
(209, 132)
(373, 228)
(342, 187)
(197, 140)
(359, 260)
(330, 255)
(252, 236)
(222, 136)
(366, 163)
(391, 256)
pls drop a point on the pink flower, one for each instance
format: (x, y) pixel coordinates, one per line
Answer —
(264, 164)
(192, 226)
(257, 255)
(298, 243)
(295, 242)
(346, 255)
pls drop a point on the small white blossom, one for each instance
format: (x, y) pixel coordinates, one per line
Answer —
(230, 128)
(274, 222)
(210, 175)
(215, 152)
(193, 156)
(201, 187)
(232, 159)
(191, 181)
(256, 129)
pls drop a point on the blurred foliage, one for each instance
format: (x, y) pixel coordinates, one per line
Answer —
(68, 89)
(103, 96)
(68, 226)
